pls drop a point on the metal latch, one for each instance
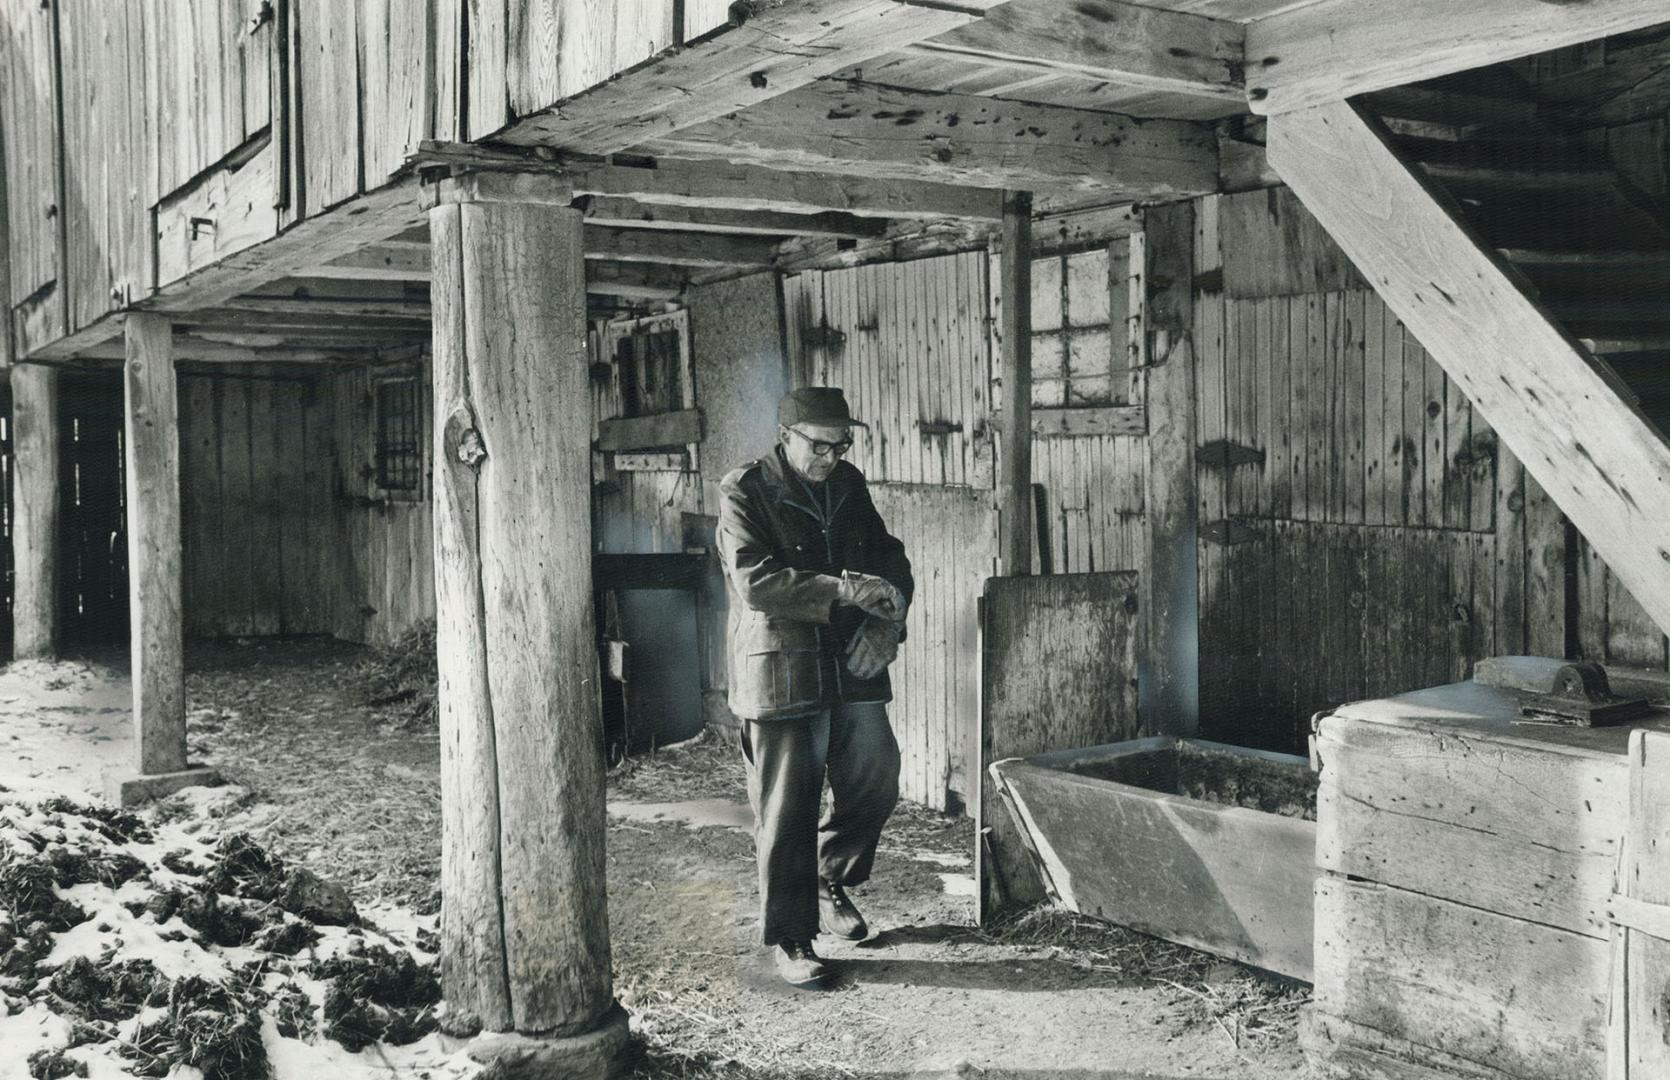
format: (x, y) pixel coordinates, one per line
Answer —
(1579, 696)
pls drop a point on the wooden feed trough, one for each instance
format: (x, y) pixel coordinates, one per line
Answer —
(1208, 845)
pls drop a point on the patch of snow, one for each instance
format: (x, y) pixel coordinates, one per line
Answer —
(940, 858)
(695, 814)
(958, 884)
(35, 1028)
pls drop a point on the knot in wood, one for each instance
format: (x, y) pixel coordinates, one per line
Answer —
(471, 450)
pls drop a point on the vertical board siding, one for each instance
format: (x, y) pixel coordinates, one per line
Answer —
(394, 80)
(1386, 541)
(327, 71)
(554, 49)
(951, 537)
(908, 343)
(254, 445)
(28, 118)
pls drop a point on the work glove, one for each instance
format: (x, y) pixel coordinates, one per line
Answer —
(873, 647)
(873, 595)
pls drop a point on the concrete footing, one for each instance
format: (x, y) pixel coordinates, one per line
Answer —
(124, 788)
(592, 1056)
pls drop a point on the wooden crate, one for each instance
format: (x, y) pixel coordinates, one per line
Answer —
(1462, 913)
(1127, 833)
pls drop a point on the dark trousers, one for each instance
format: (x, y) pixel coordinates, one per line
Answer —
(788, 760)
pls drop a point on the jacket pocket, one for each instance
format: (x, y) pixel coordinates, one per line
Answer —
(775, 665)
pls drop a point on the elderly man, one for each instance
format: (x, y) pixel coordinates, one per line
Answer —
(818, 590)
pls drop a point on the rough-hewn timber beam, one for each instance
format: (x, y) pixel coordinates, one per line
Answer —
(886, 133)
(631, 214)
(1336, 49)
(725, 186)
(1145, 47)
(783, 46)
(1552, 404)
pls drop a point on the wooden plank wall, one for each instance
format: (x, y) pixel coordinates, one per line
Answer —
(1386, 541)
(385, 582)
(28, 118)
(909, 343)
(948, 533)
(525, 56)
(1086, 351)
(258, 519)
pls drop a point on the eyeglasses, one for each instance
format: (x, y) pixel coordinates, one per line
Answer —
(824, 449)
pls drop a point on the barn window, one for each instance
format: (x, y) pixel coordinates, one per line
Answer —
(651, 360)
(1081, 332)
(399, 435)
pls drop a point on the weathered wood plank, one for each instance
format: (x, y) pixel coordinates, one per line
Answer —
(28, 112)
(1644, 882)
(152, 459)
(1465, 982)
(890, 133)
(1402, 805)
(649, 432)
(1090, 420)
(394, 84)
(328, 79)
(1059, 655)
(224, 212)
(1553, 405)
(782, 47)
(1146, 47)
(1335, 49)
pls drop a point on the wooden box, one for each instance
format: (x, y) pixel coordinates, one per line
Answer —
(1462, 911)
(1195, 842)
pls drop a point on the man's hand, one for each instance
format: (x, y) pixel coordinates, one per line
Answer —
(873, 595)
(875, 646)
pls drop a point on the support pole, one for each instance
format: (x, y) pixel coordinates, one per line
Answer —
(34, 510)
(1169, 688)
(1014, 466)
(525, 930)
(152, 455)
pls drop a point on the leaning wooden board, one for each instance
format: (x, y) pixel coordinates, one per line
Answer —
(1464, 910)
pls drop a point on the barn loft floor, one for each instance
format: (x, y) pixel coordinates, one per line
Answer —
(351, 791)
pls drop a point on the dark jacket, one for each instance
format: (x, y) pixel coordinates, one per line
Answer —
(783, 544)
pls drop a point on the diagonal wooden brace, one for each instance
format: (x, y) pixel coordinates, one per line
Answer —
(1556, 407)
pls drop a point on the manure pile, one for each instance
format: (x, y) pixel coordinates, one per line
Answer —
(147, 948)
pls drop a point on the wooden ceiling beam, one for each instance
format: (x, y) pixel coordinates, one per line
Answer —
(1141, 47)
(672, 249)
(1562, 412)
(724, 186)
(886, 133)
(779, 47)
(189, 348)
(630, 214)
(1335, 49)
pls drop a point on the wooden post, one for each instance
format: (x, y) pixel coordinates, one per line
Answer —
(1170, 685)
(152, 456)
(525, 933)
(1014, 467)
(34, 510)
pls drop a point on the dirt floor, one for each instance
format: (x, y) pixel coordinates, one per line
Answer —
(351, 791)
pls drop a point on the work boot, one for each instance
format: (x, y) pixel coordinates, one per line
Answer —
(798, 964)
(836, 915)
